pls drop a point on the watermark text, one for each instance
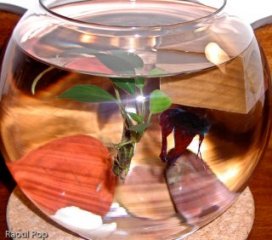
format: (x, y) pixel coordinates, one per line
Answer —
(27, 235)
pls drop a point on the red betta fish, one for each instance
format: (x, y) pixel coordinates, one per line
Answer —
(186, 125)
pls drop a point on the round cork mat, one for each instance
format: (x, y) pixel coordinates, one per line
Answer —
(24, 217)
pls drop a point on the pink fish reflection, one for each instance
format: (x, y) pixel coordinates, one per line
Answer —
(197, 193)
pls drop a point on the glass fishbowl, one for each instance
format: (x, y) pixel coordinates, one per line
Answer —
(133, 119)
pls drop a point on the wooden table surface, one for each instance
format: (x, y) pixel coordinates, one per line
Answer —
(260, 183)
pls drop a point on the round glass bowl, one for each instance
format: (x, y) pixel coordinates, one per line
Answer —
(133, 119)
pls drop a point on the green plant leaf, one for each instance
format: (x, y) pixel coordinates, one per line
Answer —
(137, 118)
(156, 71)
(126, 84)
(87, 93)
(139, 128)
(116, 64)
(133, 59)
(75, 51)
(159, 101)
(139, 82)
(120, 61)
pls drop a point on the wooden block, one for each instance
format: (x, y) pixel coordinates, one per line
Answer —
(233, 87)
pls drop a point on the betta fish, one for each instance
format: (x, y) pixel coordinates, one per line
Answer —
(185, 126)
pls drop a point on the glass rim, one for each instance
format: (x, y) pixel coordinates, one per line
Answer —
(121, 27)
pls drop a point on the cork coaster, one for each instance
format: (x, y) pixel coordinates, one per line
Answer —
(24, 217)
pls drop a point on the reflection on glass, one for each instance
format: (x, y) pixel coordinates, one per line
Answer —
(133, 119)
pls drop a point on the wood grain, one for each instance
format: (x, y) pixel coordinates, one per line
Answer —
(6, 181)
(223, 88)
(6, 29)
(54, 180)
(260, 183)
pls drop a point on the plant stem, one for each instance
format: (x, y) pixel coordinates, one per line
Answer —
(122, 144)
(37, 79)
(121, 107)
(149, 117)
(125, 153)
(125, 149)
(143, 104)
